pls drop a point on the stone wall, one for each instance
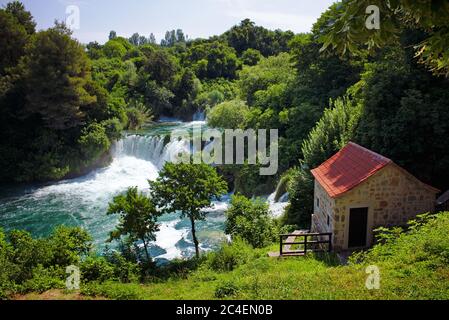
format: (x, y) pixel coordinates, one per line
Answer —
(322, 211)
(392, 197)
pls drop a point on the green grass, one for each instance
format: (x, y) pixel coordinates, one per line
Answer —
(413, 265)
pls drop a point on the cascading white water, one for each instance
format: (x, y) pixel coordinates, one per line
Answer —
(150, 148)
(84, 201)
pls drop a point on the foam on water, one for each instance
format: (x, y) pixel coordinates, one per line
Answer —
(277, 208)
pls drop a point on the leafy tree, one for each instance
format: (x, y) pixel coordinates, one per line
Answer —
(114, 49)
(251, 57)
(405, 115)
(335, 129)
(247, 35)
(272, 71)
(188, 188)
(138, 218)
(250, 221)
(138, 114)
(56, 70)
(13, 38)
(229, 115)
(94, 141)
(152, 39)
(161, 67)
(213, 60)
(17, 10)
(349, 32)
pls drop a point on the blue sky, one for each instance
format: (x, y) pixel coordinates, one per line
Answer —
(198, 18)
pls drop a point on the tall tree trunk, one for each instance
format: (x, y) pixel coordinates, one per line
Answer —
(195, 240)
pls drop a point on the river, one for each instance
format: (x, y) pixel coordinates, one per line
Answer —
(83, 201)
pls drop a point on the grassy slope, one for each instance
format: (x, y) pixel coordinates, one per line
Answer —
(414, 266)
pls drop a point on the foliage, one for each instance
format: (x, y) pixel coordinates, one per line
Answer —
(250, 220)
(349, 33)
(268, 72)
(138, 218)
(403, 102)
(229, 115)
(188, 188)
(251, 57)
(138, 114)
(335, 129)
(226, 289)
(29, 264)
(94, 141)
(212, 60)
(231, 255)
(247, 35)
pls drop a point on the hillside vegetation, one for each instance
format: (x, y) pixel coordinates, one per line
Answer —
(413, 264)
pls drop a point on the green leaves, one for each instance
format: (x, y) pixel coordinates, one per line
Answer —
(250, 221)
(349, 33)
(187, 188)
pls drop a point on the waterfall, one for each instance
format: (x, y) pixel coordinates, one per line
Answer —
(199, 116)
(277, 208)
(150, 148)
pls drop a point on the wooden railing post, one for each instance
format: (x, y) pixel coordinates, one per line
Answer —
(305, 245)
(281, 242)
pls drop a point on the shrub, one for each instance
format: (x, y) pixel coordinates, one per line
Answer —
(93, 141)
(226, 289)
(96, 269)
(229, 115)
(113, 128)
(43, 280)
(125, 271)
(251, 221)
(230, 256)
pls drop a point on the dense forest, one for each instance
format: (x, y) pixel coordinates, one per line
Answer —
(63, 104)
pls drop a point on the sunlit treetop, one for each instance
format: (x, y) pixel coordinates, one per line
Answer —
(346, 30)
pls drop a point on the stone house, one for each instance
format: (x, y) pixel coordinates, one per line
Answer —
(358, 190)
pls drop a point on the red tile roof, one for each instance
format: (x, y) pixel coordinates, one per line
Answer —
(348, 168)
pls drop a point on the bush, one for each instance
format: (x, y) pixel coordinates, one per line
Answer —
(229, 115)
(226, 289)
(28, 264)
(230, 256)
(138, 114)
(43, 280)
(125, 271)
(250, 220)
(113, 128)
(96, 269)
(93, 141)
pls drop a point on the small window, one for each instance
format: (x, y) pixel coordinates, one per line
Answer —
(317, 202)
(328, 220)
